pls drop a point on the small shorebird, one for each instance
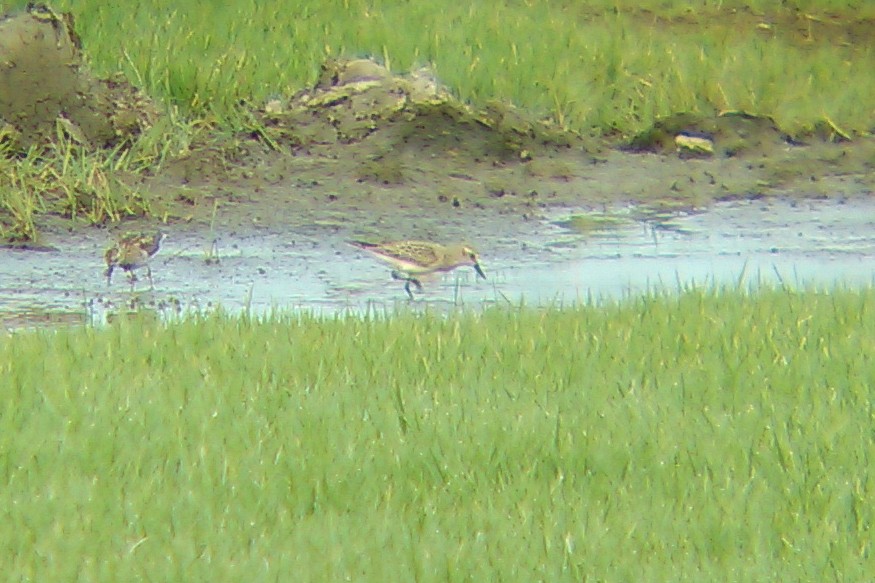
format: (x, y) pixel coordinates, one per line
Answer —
(133, 251)
(412, 259)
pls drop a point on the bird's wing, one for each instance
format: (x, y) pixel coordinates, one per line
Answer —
(413, 251)
(129, 238)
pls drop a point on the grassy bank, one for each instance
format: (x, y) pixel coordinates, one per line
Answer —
(597, 66)
(601, 67)
(704, 436)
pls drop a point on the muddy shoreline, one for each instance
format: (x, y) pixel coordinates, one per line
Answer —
(368, 154)
(330, 187)
(278, 222)
(380, 153)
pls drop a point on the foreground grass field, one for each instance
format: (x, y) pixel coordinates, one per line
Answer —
(707, 436)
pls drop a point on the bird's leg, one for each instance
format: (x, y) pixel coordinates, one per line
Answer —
(415, 282)
(407, 279)
(149, 274)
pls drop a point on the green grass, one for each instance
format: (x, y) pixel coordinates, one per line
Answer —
(597, 66)
(704, 436)
(67, 180)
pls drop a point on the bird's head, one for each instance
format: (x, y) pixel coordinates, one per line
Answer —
(472, 257)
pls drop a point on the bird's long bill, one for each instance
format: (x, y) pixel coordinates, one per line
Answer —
(479, 270)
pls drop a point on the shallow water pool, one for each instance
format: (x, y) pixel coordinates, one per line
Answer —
(540, 261)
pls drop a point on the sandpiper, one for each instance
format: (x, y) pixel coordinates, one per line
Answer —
(412, 259)
(132, 251)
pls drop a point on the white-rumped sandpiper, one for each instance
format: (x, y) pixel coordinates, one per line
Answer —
(412, 259)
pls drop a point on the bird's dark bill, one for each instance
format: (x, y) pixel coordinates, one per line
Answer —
(479, 270)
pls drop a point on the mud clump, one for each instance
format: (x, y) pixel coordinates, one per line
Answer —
(729, 134)
(360, 100)
(47, 91)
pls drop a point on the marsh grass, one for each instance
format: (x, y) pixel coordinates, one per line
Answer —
(677, 437)
(20, 204)
(67, 179)
(597, 66)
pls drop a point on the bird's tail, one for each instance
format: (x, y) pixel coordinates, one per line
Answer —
(362, 244)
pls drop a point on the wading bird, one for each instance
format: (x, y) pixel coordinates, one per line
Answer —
(133, 251)
(412, 259)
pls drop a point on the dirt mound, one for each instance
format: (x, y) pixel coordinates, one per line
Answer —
(47, 91)
(355, 100)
